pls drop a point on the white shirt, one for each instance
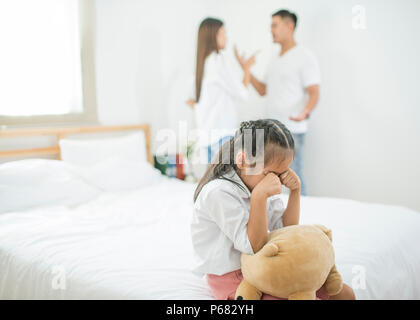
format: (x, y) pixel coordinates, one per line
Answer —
(286, 78)
(219, 225)
(215, 113)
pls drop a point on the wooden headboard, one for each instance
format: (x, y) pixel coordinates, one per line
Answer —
(60, 133)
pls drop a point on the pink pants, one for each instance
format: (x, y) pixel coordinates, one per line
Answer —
(224, 287)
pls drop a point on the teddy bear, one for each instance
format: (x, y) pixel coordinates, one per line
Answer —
(295, 262)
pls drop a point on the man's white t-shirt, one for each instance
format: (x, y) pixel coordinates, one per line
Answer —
(286, 78)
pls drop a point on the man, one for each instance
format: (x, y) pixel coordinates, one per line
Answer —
(291, 84)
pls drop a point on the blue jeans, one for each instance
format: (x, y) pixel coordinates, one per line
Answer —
(297, 164)
(212, 149)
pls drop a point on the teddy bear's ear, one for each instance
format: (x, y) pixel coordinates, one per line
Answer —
(324, 229)
(270, 250)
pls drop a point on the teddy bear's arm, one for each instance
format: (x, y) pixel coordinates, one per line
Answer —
(246, 291)
(269, 250)
(334, 282)
(307, 295)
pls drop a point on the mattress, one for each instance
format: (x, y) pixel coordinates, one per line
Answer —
(136, 245)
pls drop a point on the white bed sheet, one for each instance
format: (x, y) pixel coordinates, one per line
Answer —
(136, 245)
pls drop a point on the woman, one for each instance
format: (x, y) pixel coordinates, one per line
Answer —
(216, 88)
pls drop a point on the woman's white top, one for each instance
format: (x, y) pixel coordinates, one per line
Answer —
(215, 112)
(219, 224)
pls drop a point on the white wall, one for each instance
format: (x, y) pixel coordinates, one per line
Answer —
(145, 53)
(362, 142)
(363, 138)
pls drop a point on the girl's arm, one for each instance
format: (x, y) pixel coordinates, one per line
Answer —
(291, 215)
(257, 224)
(292, 212)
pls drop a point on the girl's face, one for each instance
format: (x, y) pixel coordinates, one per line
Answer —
(221, 38)
(277, 167)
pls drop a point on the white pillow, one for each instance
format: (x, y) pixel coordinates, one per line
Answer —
(88, 152)
(36, 182)
(115, 174)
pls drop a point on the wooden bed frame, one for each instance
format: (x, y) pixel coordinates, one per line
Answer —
(61, 132)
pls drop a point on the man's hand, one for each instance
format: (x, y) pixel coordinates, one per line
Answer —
(268, 186)
(290, 179)
(302, 116)
(313, 95)
(191, 103)
(246, 64)
(239, 58)
(249, 63)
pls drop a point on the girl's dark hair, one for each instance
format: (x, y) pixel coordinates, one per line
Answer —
(275, 135)
(206, 44)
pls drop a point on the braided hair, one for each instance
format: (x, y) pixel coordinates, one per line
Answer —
(276, 136)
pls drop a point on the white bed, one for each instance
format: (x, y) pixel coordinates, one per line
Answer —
(121, 245)
(136, 245)
(71, 234)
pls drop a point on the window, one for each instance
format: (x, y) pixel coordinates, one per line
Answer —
(45, 46)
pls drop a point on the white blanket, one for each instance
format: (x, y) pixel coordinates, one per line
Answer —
(136, 245)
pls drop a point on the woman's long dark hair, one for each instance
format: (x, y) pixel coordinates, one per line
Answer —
(276, 136)
(206, 44)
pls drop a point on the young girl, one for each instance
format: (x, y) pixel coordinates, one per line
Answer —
(235, 204)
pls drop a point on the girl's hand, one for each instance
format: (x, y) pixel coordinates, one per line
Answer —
(268, 186)
(290, 179)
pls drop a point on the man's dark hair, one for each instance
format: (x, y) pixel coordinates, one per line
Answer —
(286, 14)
